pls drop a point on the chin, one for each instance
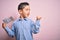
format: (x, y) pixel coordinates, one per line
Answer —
(26, 16)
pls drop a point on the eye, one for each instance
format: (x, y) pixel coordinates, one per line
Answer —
(27, 9)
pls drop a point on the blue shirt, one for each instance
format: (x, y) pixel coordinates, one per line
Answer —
(22, 29)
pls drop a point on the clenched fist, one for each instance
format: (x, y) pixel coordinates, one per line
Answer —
(3, 25)
(38, 18)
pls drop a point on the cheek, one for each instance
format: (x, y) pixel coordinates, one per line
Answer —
(25, 12)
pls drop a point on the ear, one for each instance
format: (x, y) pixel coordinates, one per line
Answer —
(20, 11)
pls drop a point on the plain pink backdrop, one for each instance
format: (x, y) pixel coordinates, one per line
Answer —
(49, 10)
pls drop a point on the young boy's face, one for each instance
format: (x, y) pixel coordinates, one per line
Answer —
(25, 11)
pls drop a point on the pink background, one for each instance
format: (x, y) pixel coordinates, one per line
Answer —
(49, 10)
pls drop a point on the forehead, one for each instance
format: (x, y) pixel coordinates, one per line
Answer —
(27, 7)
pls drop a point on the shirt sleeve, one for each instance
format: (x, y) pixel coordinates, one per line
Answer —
(35, 26)
(9, 31)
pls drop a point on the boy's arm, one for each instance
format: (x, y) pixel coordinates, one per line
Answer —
(35, 26)
(9, 31)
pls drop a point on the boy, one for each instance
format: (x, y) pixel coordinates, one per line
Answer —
(22, 28)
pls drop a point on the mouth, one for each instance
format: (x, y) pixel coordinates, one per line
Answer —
(28, 14)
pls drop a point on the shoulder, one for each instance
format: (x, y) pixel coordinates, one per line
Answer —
(15, 21)
(30, 20)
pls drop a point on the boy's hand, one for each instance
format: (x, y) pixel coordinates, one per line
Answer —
(38, 18)
(3, 25)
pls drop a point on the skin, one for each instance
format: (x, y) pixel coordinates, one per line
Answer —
(24, 13)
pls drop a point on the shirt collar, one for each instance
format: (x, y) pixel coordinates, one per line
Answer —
(23, 19)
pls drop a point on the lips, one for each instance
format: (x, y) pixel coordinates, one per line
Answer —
(28, 14)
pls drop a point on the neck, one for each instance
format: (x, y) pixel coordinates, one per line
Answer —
(22, 17)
